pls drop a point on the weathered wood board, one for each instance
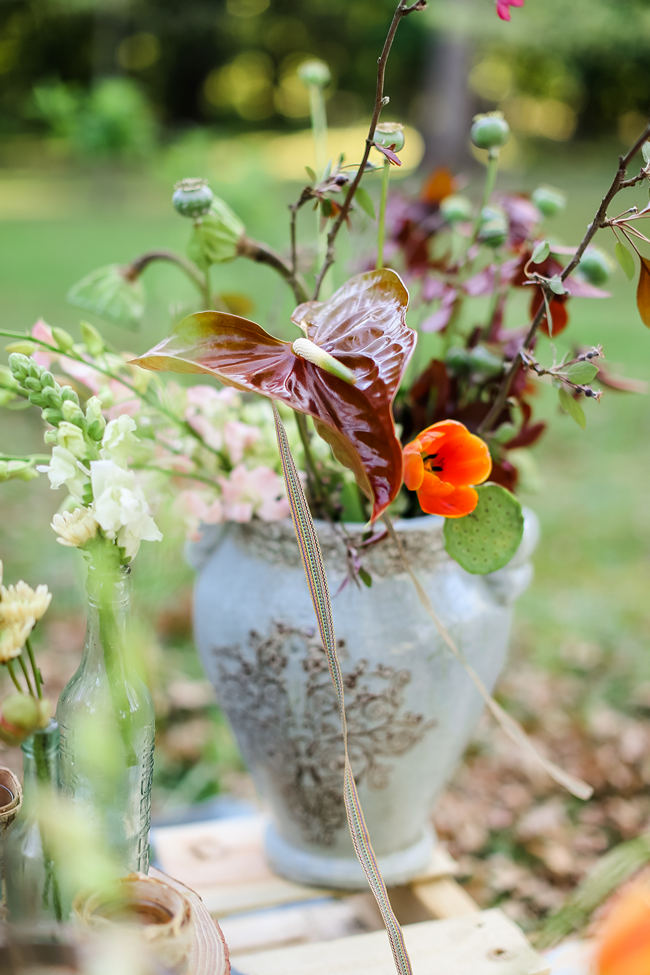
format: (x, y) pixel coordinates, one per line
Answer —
(485, 943)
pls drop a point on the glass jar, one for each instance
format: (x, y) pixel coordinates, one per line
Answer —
(31, 886)
(106, 720)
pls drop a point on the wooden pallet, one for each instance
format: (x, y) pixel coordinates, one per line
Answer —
(275, 927)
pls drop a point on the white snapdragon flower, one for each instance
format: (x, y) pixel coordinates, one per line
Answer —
(65, 469)
(120, 507)
(119, 440)
(74, 528)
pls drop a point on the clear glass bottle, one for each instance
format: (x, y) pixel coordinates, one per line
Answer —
(31, 886)
(106, 719)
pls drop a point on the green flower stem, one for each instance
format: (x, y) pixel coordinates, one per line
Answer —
(111, 638)
(488, 189)
(176, 420)
(38, 680)
(23, 667)
(27, 459)
(171, 473)
(44, 777)
(381, 220)
(136, 267)
(206, 290)
(12, 674)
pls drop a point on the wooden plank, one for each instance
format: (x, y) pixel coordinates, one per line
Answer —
(223, 860)
(301, 924)
(486, 943)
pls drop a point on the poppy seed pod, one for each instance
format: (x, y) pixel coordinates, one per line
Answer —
(314, 72)
(456, 208)
(390, 135)
(595, 266)
(192, 197)
(548, 200)
(489, 131)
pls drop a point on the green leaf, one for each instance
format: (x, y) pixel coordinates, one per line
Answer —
(365, 577)
(486, 540)
(625, 259)
(572, 407)
(108, 292)
(364, 200)
(556, 284)
(311, 174)
(541, 252)
(581, 372)
(645, 149)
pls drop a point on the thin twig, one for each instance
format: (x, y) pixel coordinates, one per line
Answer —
(402, 10)
(600, 220)
(136, 267)
(263, 254)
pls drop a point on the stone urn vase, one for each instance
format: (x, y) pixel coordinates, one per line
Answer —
(410, 706)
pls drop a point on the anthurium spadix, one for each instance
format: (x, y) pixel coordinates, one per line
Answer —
(366, 343)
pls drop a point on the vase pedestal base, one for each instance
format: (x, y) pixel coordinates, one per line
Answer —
(344, 873)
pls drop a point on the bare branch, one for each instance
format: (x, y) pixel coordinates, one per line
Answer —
(402, 10)
(600, 220)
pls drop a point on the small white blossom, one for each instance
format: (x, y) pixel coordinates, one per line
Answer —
(19, 603)
(75, 528)
(119, 441)
(65, 469)
(120, 507)
(12, 639)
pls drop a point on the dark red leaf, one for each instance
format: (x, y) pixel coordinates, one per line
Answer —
(391, 156)
(643, 291)
(362, 325)
(558, 310)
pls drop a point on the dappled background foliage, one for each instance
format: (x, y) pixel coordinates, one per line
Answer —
(563, 68)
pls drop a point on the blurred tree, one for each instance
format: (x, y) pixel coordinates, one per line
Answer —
(556, 67)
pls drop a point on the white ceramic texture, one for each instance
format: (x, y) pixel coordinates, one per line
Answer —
(410, 706)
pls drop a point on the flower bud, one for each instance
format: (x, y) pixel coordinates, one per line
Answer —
(314, 72)
(68, 394)
(595, 266)
(92, 338)
(216, 235)
(192, 197)
(75, 528)
(456, 208)
(21, 716)
(62, 338)
(51, 396)
(26, 347)
(17, 470)
(548, 200)
(489, 131)
(390, 135)
(493, 227)
(19, 365)
(70, 436)
(73, 413)
(95, 419)
(52, 416)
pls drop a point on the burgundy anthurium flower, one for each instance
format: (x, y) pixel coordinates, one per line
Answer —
(362, 328)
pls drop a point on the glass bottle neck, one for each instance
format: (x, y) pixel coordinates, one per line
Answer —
(108, 594)
(40, 760)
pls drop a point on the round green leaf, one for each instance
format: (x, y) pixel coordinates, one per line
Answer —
(487, 539)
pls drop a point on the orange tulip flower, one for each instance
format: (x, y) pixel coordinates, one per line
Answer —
(624, 947)
(442, 464)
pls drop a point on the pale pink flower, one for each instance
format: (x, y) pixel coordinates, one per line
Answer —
(259, 491)
(42, 331)
(238, 438)
(198, 508)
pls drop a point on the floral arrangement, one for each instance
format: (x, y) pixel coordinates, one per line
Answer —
(25, 711)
